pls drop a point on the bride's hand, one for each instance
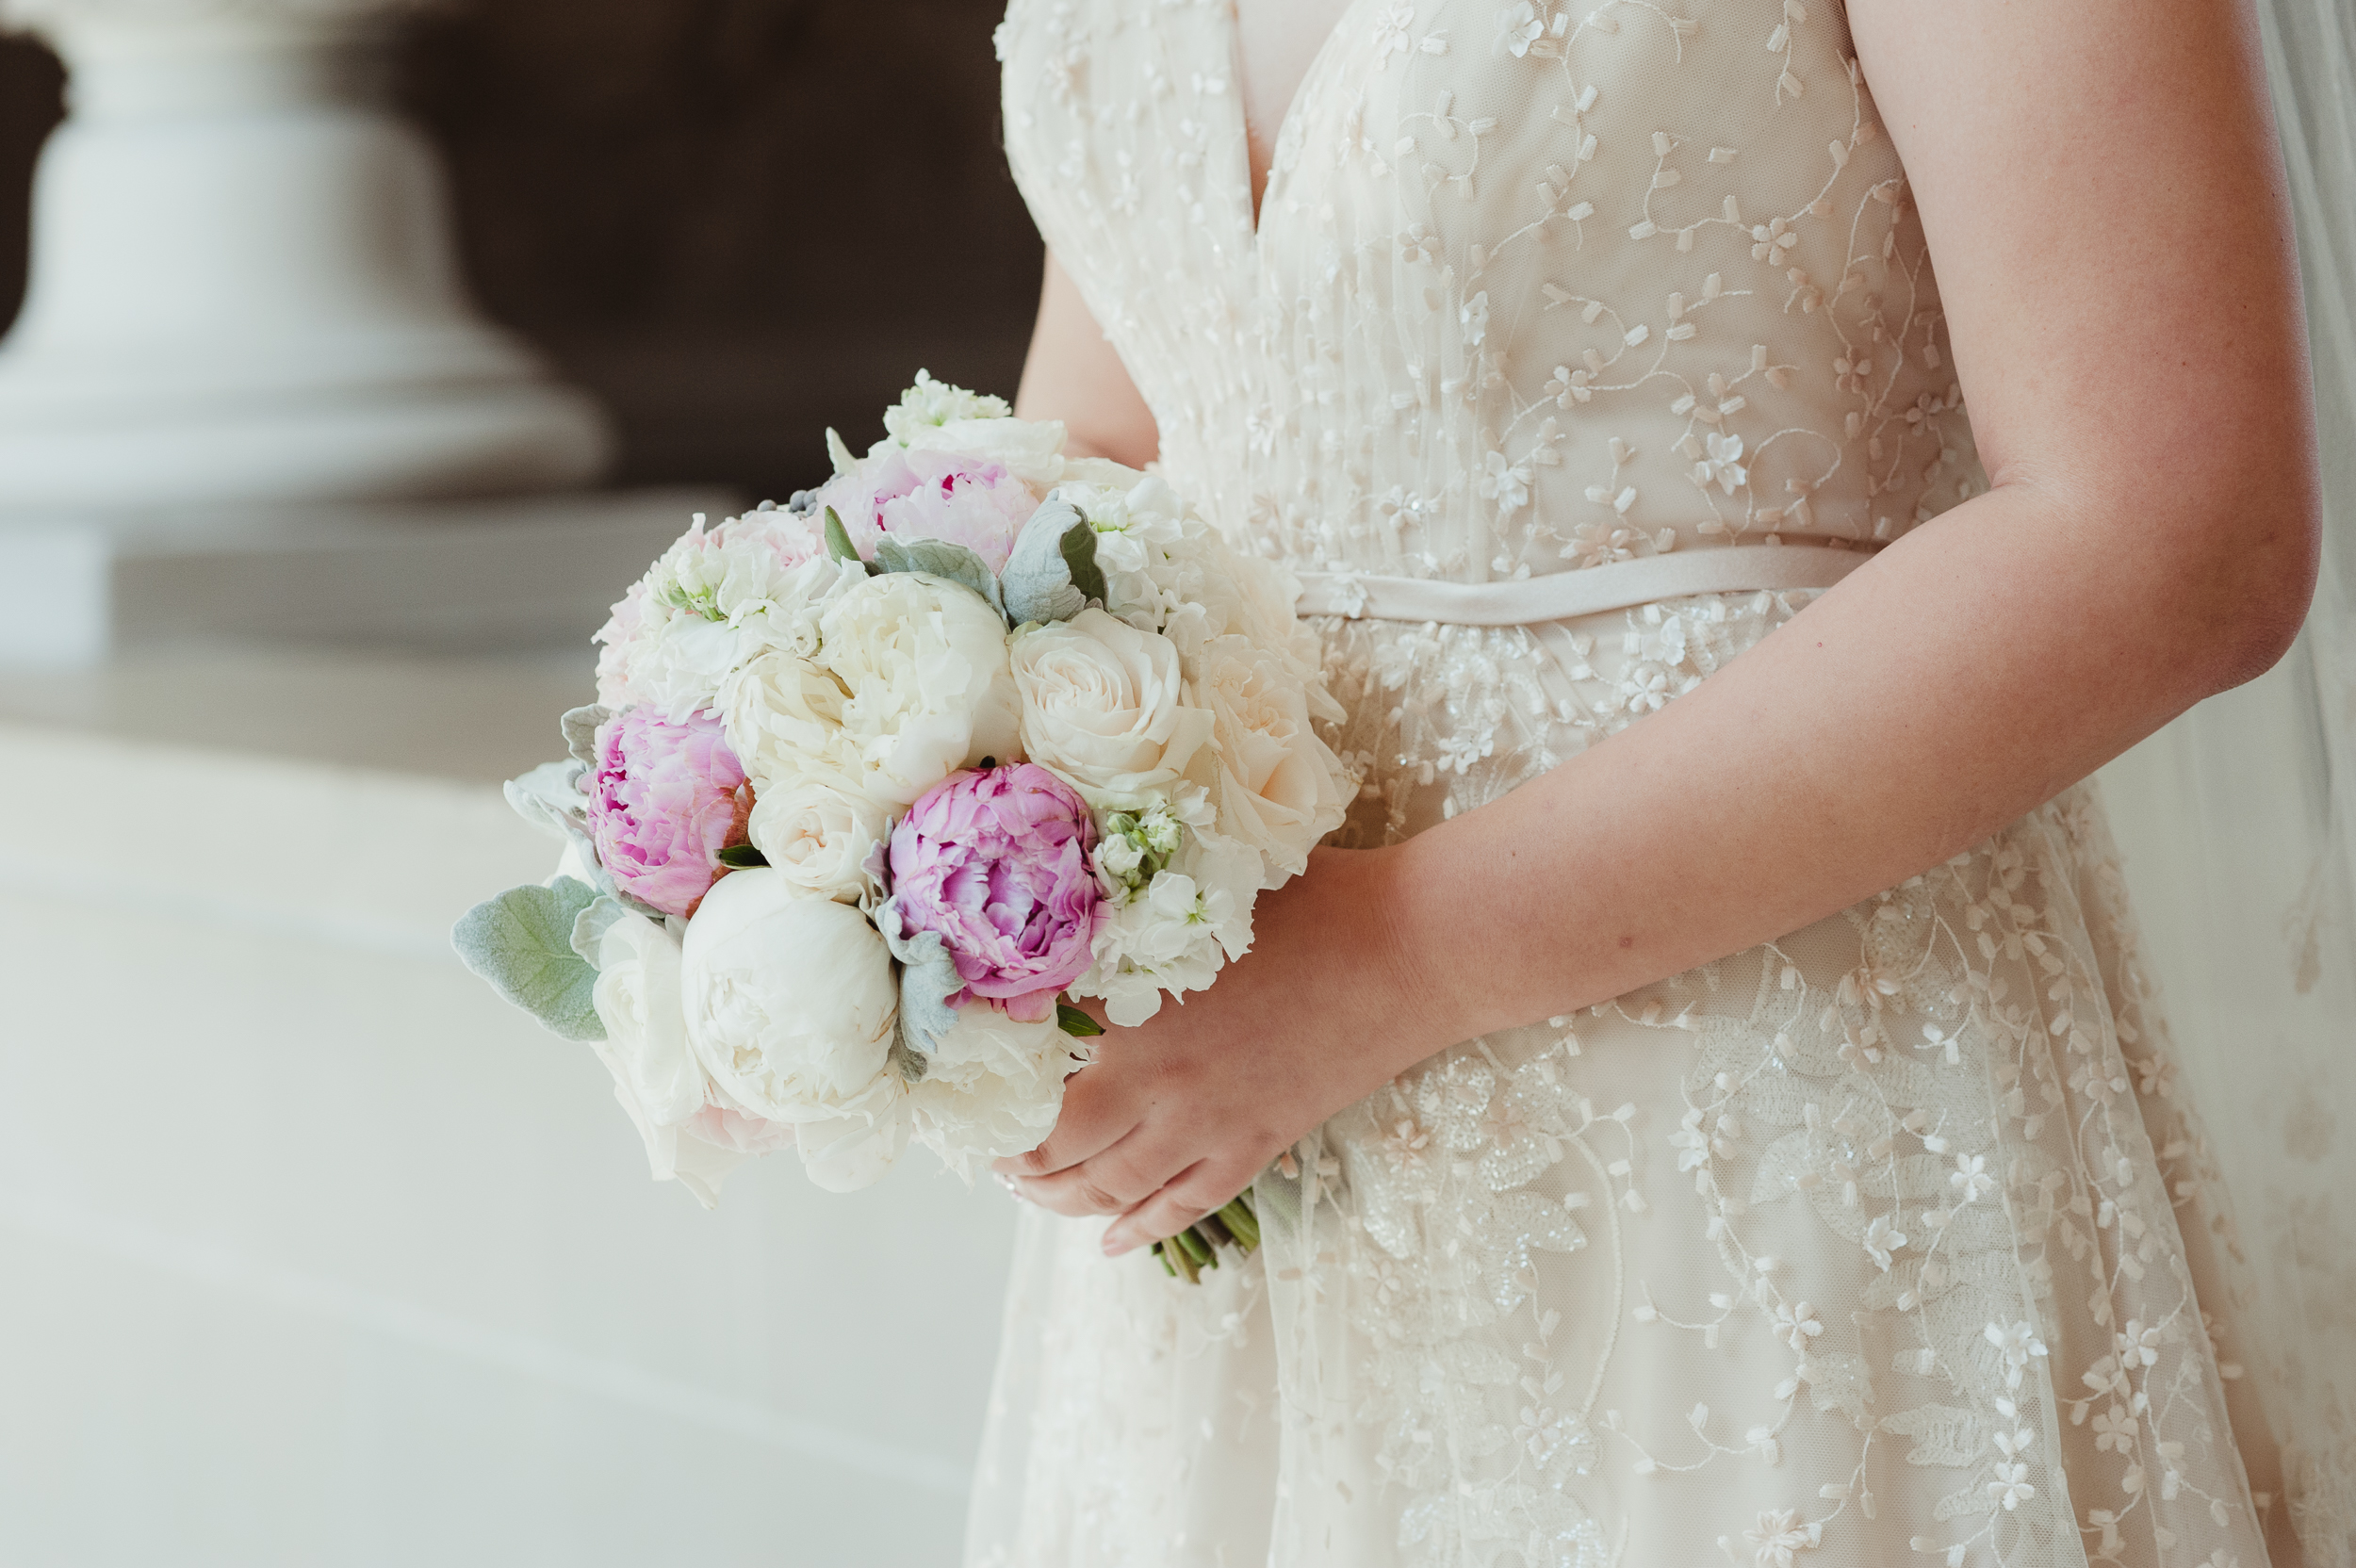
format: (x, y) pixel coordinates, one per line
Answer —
(1176, 1117)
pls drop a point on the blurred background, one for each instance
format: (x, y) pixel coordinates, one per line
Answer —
(699, 211)
(362, 351)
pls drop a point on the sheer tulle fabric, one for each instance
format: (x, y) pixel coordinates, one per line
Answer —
(1891, 1241)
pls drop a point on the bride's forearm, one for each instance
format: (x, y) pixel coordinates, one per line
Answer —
(1967, 676)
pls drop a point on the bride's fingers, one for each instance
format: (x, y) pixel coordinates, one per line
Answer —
(1111, 1182)
(1204, 1187)
(1096, 1114)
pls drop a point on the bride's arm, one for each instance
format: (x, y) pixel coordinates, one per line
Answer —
(1073, 375)
(2103, 199)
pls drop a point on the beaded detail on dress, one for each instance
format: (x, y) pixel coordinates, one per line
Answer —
(1884, 1243)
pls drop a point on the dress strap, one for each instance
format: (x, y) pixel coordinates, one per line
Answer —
(1588, 591)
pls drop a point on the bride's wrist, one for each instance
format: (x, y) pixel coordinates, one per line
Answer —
(1412, 972)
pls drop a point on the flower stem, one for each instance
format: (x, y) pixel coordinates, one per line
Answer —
(1196, 1248)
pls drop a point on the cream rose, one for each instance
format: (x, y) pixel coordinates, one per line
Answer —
(922, 665)
(792, 1007)
(818, 833)
(1104, 705)
(1279, 785)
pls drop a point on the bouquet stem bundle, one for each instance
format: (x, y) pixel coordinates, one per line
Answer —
(1195, 1249)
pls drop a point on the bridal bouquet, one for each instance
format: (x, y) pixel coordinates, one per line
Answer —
(877, 783)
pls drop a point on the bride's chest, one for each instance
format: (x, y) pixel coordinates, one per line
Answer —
(1473, 120)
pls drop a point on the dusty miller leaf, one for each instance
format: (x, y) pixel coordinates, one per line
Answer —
(521, 942)
(1038, 584)
(550, 798)
(581, 732)
(589, 926)
(939, 558)
(928, 978)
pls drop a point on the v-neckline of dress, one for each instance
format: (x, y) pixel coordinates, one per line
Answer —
(1254, 203)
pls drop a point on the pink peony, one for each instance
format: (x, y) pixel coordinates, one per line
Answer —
(997, 863)
(664, 799)
(927, 495)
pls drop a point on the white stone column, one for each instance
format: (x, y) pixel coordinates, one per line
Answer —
(243, 288)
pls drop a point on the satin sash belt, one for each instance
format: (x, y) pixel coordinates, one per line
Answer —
(1587, 591)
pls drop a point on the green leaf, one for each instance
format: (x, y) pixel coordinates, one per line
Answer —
(1073, 1021)
(839, 545)
(522, 944)
(742, 857)
(939, 558)
(1078, 550)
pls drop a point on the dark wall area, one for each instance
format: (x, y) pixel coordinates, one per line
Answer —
(735, 222)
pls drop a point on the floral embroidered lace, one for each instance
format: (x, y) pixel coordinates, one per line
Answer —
(1885, 1242)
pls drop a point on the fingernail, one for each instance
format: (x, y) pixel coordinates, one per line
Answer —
(1011, 1184)
(1116, 1243)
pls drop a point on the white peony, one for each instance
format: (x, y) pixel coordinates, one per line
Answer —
(922, 665)
(1104, 705)
(991, 1087)
(656, 1076)
(1279, 784)
(1031, 450)
(819, 833)
(792, 1007)
(782, 715)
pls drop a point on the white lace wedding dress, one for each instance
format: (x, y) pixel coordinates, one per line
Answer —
(1888, 1242)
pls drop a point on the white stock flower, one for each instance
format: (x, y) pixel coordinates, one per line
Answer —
(1102, 704)
(991, 1087)
(819, 833)
(1279, 784)
(792, 1007)
(930, 403)
(1175, 935)
(924, 665)
(716, 600)
(1139, 531)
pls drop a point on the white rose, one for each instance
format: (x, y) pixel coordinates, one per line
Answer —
(1104, 705)
(1279, 785)
(991, 1087)
(792, 1007)
(922, 662)
(818, 833)
(656, 1076)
